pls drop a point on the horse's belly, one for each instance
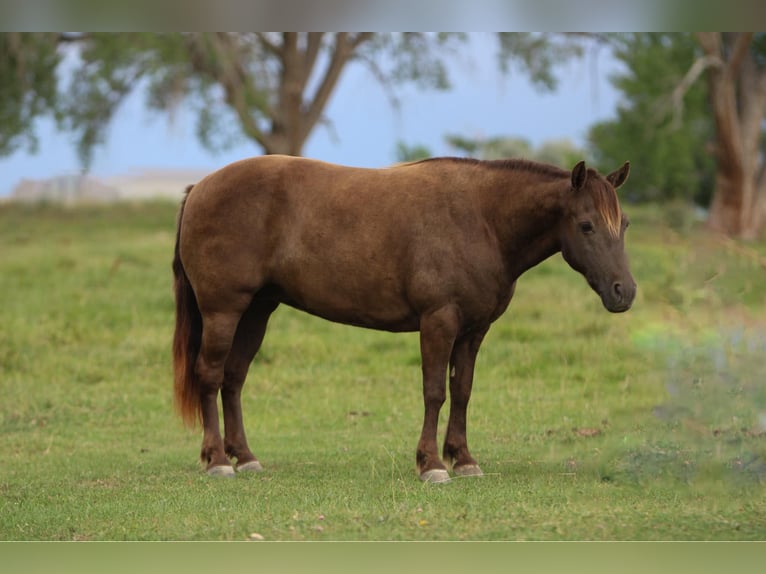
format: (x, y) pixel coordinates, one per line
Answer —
(397, 318)
(347, 294)
(366, 320)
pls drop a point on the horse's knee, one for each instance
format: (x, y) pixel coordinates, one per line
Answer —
(435, 397)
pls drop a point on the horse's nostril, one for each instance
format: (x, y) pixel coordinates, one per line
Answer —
(617, 287)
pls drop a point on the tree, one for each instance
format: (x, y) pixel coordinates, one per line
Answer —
(270, 88)
(28, 64)
(669, 151)
(735, 66)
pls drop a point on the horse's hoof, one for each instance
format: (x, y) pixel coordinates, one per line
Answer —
(435, 475)
(252, 466)
(225, 470)
(468, 470)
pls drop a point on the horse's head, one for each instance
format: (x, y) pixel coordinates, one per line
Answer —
(593, 235)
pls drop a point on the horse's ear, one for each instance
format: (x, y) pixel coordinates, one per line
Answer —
(618, 177)
(579, 175)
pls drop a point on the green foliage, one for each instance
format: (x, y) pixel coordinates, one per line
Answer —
(562, 153)
(406, 153)
(111, 67)
(538, 54)
(396, 58)
(669, 148)
(491, 148)
(28, 85)
(574, 416)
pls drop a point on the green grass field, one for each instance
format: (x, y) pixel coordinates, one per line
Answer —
(649, 425)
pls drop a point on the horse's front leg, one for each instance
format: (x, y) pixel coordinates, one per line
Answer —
(437, 335)
(462, 365)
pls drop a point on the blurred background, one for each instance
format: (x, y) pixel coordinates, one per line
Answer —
(648, 425)
(106, 116)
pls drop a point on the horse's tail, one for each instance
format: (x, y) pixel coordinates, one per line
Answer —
(187, 337)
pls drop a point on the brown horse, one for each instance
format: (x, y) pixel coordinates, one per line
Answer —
(434, 246)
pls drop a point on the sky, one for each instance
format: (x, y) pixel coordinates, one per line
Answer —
(482, 103)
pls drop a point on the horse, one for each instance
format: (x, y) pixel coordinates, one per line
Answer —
(434, 246)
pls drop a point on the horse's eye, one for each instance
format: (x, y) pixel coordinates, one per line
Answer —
(586, 227)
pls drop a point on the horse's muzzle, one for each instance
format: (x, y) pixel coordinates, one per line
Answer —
(619, 297)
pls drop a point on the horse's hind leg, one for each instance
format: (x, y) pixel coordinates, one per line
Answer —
(218, 329)
(247, 341)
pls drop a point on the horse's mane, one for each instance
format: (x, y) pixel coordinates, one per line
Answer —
(514, 164)
(604, 196)
(606, 202)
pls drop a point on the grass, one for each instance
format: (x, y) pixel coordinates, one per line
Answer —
(644, 426)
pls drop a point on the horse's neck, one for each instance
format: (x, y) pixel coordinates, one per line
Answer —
(525, 213)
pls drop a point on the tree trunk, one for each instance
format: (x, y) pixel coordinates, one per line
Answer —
(726, 208)
(282, 125)
(757, 223)
(286, 135)
(297, 112)
(738, 100)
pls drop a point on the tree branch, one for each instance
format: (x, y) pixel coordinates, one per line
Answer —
(226, 69)
(360, 38)
(711, 43)
(383, 80)
(270, 46)
(341, 54)
(690, 78)
(313, 43)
